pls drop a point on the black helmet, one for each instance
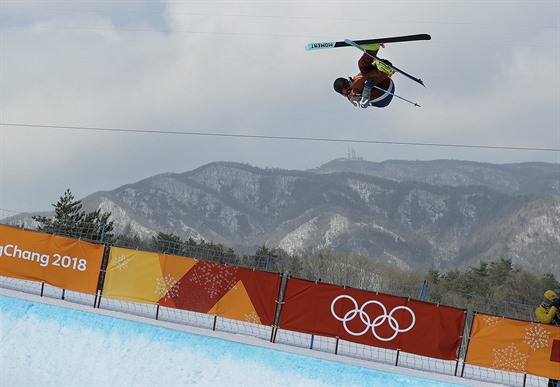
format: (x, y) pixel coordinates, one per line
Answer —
(342, 86)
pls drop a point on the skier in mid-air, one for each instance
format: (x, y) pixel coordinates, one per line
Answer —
(373, 86)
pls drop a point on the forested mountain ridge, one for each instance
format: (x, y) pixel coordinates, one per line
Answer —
(400, 216)
(512, 179)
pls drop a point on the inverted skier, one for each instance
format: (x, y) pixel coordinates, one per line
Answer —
(373, 86)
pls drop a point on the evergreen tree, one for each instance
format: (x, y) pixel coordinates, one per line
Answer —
(209, 251)
(477, 280)
(129, 238)
(500, 271)
(168, 244)
(435, 292)
(264, 255)
(286, 263)
(433, 276)
(69, 220)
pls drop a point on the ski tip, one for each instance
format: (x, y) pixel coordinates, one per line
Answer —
(353, 44)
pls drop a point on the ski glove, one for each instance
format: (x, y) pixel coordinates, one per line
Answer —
(357, 101)
(364, 102)
(556, 303)
(366, 93)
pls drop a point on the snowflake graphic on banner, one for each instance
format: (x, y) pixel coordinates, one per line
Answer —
(491, 320)
(214, 277)
(253, 318)
(166, 286)
(509, 359)
(121, 262)
(536, 337)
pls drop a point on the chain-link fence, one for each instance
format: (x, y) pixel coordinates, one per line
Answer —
(325, 266)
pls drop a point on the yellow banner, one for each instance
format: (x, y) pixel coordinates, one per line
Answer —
(515, 346)
(63, 262)
(141, 276)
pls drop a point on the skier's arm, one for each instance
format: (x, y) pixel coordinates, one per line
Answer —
(366, 93)
(359, 96)
(545, 316)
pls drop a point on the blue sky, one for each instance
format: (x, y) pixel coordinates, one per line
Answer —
(240, 67)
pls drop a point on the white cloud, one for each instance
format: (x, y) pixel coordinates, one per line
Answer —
(240, 67)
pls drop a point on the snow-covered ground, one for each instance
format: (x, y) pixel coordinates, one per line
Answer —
(54, 342)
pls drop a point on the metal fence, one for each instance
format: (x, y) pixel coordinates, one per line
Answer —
(359, 274)
(283, 337)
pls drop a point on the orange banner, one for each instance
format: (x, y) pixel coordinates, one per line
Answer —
(191, 284)
(374, 319)
(63, 262)
(515, 346)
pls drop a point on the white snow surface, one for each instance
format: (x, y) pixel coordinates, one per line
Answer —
(51, 342)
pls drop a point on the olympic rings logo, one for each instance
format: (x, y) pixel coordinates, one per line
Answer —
(366, 319)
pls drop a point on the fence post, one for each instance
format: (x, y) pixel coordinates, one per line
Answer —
(267, 262)
(99, 301)
(423, 291)
(95, 299)
(468, 343)
(280, 302)
(103, 232)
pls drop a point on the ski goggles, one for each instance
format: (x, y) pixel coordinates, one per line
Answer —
(346, 87)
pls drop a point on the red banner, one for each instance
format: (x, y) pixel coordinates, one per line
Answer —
(373, 319)
(227, 291)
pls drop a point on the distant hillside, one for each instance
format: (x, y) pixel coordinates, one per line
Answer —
(512, 179)
(415, 215)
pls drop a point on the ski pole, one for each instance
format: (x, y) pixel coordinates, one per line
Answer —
(418, 80)
(398, 96)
